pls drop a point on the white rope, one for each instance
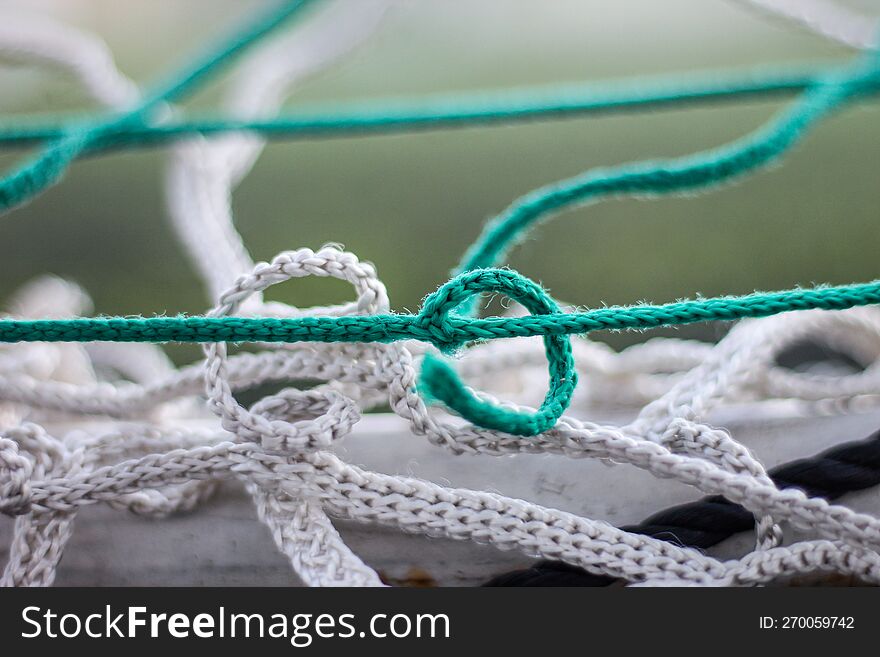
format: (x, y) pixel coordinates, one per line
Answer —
(666, 440)
(42, 42)
(154, 462)
(202, 174)
(826, 18)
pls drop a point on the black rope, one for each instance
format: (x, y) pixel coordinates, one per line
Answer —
(702, 524)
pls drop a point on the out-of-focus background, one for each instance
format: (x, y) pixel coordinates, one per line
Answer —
(412, 203)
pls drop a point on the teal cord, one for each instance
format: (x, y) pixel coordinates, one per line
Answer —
(447, 331)
(697, 171)
(440, 381)
(664, 177)
(49, 165)
(459, 110)
(437, 324)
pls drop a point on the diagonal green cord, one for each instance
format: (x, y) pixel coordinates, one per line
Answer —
(49, 165)
(686, 174)
(440, 381)
(698, 171)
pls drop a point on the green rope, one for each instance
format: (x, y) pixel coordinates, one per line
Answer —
(441, 382)
(686, 174)
(49, 165)
(394, 115)
(448, 332)
(437, 324)
(697, 171)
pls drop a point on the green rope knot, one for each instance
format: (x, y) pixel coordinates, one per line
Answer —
(440, 381)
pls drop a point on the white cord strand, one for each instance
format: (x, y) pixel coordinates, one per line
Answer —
(826, 18)
(202, 174)
(87, 58)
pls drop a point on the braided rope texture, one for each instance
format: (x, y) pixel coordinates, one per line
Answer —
(180, 431)
(703, 524)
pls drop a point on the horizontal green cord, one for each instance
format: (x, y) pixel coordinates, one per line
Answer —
(437, 324)
(459, 110)
(447, 334)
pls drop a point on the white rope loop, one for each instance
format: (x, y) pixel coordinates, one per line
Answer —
(263, 422)
(308, 419)
(86, 57)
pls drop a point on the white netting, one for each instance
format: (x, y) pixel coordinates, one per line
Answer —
(154, 462)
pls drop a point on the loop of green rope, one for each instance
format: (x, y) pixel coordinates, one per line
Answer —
(441, 382)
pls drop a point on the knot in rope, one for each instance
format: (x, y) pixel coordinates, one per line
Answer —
(440, 381)
(304, 420)
(15, 477)
(28, 452)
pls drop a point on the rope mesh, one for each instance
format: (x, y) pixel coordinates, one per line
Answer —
(365, 357)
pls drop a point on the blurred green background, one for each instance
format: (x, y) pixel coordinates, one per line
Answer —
(412, 203)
